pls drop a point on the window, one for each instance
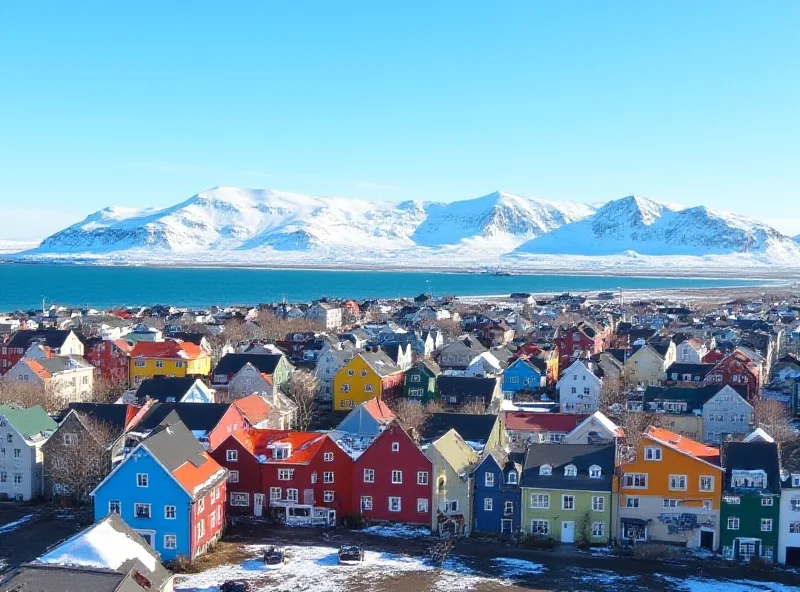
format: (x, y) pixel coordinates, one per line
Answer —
(17, 453)
(707, 505)
(766, 525)
(159, 363)
(794, 503)
(285, 474)
(351, 372)
(670, 503)
(363, 374)
(422, 505)
(487, 504)
(570, 471)
(397, 477)
(345, 388)
(327, 477)
(17, 479)
(3, 477)
(733, 523)
(652, 453)
(766, 501)
(114, 507)
(635, 480)
(327, 457)
(369, 475)
(794, 528)
(731, 499)
(677, 482)
(201, 505)
(567, 502)
(292, 494)
(545, 470)
(213, 520)
(540, 501)
(70, 439)
(541, 527)
(139, 364)
(170, 512)
(200, 530)
(232, 455)
(706, 483)
(366, 502)
(489, 479)
(422, 477)
(142, 480)
(327, 496)
(595, 472)
(795, 480)
(598, 503)
(368, 388)
(598, 530)
(631, 502)
(508, 508)
(141, 510)
(233, 476)
(452, 505)
(275, 493)
(170, 541)
(749, 479)
(394, 504)
(574, 390)
(395, 446)
(512, 478)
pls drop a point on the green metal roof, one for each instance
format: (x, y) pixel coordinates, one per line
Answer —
(29, 422)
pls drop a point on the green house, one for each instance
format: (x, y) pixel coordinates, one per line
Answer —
(566, 492)
(750, 501)
(420, 381)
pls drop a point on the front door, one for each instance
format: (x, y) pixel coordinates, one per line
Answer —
(258, 504)
(707, 539)
(506, 526)
(331, 517)
(568, 532)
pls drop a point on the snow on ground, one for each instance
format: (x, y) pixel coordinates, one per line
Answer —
(518, 567)
(705, 585)
(11, 526)
(398, 531)
(600, 576)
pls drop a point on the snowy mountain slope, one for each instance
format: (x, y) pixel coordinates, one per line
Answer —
(642, 226)
(227, 218)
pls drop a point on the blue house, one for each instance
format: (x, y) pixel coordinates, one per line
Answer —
(523, 375)
(497, 494)
(169, 490)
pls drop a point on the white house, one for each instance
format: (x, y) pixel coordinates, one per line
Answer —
(22, 433)
(69, 378)
(327, 314)
(249, 380)
(789, 521)
(596, 429)
(329, 362)
(727, 412)
(690, 351)
(579, 389)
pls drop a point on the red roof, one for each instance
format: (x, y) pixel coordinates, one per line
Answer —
(253, 408)
(379, 411)
(683, 444)
(38, 368)
(531, 421)
(179, 350)
(261, 443)
(193, 478)
(123, 345)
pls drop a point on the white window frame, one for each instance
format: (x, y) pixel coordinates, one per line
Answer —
(653, 453)
(233, 476)
(142, 480)
(115, 503)
(598, 503)
(733, 523)
(275, 493)
(399, 501)
(285, 474)
(632, 501)
(644, 477)
(678, 478)
(395, 446)
(327, 457)
(700, 483)
(542, 527)
(567, 497)
(766, 525)
(422, 505)
(598, 530)
(397, 477)
(366, 502)
(488, 504)
(170, 510)
(232, 455)
(539, 501)
(422, 478)
(328, 477)
(488, 479)
(170, 541)
(369, 475)
(149, 507)
(328, 496)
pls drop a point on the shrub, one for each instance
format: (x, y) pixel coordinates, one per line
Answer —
(353, 522)
(539, 542)
(651, 552)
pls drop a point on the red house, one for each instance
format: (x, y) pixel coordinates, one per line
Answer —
(581, 337)
(736, 369)
(304, 475)
(392, 480)
(111, 358)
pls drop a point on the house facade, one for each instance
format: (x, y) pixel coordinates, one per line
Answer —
(420, 381)
(736, 370)
(59, 342)
(247, 381)
(579, 389)
(368, 375)
(111, 360)
(789, 516)
(727, 412)
(23, 432)
(272, 366)
(452, 459)
(167, 358)
(497, 494)
(326, 314)
(522, 375)
(648, 364)
(68, 378)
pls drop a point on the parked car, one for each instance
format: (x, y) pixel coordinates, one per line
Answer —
(274, 557)
(351, 555)
(236, 586)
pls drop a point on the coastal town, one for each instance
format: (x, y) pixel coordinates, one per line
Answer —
(588, 425)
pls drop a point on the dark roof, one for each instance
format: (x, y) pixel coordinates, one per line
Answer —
(695, 397)
(696, 370)
(465, 387)
(196, 338)
(661, 347)
(471, 428)
(46, 578)
(196, 416)
(161, 388)
(50, 338)
(559, 456)
(173, 444)
(751, 456)
(110, 414)
(232, 363)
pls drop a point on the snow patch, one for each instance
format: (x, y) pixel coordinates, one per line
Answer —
(518, 567)
(398, 531)
(12, 526)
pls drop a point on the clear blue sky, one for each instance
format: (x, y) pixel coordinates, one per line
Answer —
(147, 103)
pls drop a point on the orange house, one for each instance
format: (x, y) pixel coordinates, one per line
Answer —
(671, 491)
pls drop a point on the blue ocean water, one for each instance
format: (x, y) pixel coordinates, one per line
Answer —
(22, 286)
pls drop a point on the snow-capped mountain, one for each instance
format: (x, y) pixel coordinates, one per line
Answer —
(645, 227)
(231, 219)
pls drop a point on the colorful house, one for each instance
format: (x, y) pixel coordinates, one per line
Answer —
(273, 367)
(453, 460)
(789, 530)
(392, 480)
(169, 490)
(420, 381)
(749, 515)
(111, 358)
(211, 423)
(59, 342)
(524, 374)
(168, 358)
(670, 491)
(368, 375)
(498, 494)
(566, 492)
(23, 433)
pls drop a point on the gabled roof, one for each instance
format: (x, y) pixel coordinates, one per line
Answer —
(695, 397)
(115, 417)
(261, 443)
(254, 408)
(472, 428)
(466, 387)
(558, 456)
(696, 370)
(531, 421)
(53, 338)
(752, 456)
(601, 418)
(378, 410)
(684, 445)
(232, 363)
(162, 388)
(174, 350)
(380, 363)
(29, 422)
(196, 416)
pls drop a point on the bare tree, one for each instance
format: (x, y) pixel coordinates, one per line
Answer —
(634, 424)
(773, 417)
(413, 416)
(474, 407)
(108, 390)
(449, 328)
(303, 389)
(17, 393)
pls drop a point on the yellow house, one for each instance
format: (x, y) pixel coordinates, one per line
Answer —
(168, 358)
(647, 365)
(368, 375)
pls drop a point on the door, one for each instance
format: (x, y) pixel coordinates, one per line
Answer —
(568, 532)
(258, 504)
(793, 556)
(707, 539)
(506, 526)
(331, 517)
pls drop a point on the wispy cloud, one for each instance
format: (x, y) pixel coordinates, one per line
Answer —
(372, 185)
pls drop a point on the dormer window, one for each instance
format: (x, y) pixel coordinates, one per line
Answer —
(546, 470)
(282, 451)
(749, 479)
(512, 478)
(795, 480)
(570, 471)
(595, 472)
